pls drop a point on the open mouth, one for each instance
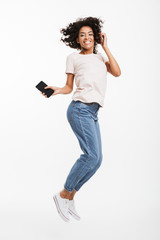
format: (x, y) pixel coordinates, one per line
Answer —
(87, 42)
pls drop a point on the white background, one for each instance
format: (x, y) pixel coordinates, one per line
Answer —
(38, 147)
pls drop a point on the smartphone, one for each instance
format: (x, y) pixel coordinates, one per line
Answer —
(41, 85)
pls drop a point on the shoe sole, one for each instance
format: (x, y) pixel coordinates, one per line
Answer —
(74, 215)
(59, 210)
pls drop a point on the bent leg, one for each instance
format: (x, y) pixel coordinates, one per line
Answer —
(93, 171)
(86, 132)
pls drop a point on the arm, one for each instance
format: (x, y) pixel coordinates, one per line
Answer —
(112, 65)
(69, 84)
(64, 90)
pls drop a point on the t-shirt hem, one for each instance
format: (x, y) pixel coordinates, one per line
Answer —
(79, 99)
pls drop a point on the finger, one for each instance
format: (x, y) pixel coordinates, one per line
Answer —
(105, 35)
(47, 87)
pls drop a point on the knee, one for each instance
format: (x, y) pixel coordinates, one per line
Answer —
(97, 161)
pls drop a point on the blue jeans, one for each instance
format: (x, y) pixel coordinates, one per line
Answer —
(83, 119)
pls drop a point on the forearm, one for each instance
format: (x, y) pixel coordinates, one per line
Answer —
(65, 90)
(115, 69)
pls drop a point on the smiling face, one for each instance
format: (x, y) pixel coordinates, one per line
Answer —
(86, 38)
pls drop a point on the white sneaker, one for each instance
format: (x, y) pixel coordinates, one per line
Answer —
(72, 210)
(62, 206)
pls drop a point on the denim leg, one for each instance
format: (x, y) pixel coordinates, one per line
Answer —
(83, 126)
(92, 172)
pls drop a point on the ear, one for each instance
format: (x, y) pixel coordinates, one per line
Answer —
(77, 40)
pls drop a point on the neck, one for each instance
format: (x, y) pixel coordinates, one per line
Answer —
(84, 51)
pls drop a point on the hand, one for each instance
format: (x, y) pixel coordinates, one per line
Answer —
(103, 40)
(56, 90)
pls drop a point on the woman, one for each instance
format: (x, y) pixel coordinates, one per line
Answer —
(89, 69)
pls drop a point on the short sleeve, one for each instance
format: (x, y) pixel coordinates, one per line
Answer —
(69, 64)
(104, 58)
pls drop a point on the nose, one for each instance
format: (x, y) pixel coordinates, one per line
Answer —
(87, 36)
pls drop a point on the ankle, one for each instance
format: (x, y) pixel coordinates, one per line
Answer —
(65, 194)
(70, 198)
(68, 195)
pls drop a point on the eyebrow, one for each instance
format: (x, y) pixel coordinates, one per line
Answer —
(84, 32)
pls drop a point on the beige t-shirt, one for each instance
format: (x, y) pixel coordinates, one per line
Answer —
(90, 74)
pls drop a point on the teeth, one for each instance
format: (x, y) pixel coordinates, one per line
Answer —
(87, 42)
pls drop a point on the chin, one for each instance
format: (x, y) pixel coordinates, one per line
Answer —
(87, 48)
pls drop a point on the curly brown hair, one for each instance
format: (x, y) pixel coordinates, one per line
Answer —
(71, 32)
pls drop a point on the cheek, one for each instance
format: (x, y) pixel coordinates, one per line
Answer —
(80, 41)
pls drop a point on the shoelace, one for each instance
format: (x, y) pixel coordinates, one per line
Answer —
(72, 205)
(65, 203)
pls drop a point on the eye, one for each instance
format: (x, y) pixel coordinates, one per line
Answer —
(83, 35)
